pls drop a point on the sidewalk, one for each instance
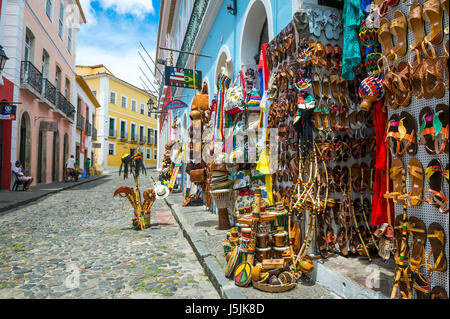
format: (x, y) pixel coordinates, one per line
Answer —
(10, 199)
(200, 229)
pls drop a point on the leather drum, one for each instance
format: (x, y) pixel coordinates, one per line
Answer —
(263, 253)
(262, 240)
(280, 239)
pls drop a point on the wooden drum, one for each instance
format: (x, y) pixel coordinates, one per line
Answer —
(280, 239)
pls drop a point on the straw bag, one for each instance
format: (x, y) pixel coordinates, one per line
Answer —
(201, 101)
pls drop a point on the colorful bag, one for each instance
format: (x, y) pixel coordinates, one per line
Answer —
(234, 100)
(253, 100)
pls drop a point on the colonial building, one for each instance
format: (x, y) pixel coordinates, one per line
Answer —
(40, 39)
(85, 131)
(125, 124)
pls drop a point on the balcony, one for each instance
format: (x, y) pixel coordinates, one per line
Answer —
(88, 127)
(133, 138)
(123, 136)
(31, 79)
(112, 133)
(94, 134)
(80, 122)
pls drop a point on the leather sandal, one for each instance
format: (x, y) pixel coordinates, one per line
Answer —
(393, 135)
(401, 84)
(434, 178)
(398, 28)
(416, 74)
(438, 292)
(408, 132)
(436, 236)
(342, 241)
(433, 84)
(418, 230)
(432, 13)
(385, 38)
(416, 176)
(356, 178)
(415, 24)
(427, 131)
(397, 175)
(441, 124)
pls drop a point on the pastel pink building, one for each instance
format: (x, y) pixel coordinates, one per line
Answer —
(40, 38)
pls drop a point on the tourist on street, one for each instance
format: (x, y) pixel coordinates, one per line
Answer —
(18, 170)
(70, 167)
(87, 166)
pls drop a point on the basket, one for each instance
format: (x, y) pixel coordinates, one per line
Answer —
(221, 197)
(273, 288)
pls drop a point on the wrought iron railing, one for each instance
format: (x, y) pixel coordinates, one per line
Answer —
(49, 91)
(31, 76)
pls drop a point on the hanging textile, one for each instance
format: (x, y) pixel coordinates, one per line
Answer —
(351, 55)
(223, 83)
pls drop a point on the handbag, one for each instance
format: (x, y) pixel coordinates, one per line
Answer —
(234, 99)
(198, 175)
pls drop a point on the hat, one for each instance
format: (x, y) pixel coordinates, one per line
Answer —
(18, 162)
(161, 192)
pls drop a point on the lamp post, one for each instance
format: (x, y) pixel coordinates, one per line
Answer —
(3, 59)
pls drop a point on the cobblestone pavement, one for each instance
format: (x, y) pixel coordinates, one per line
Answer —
(80, 244)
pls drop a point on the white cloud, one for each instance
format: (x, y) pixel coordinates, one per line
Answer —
(89, 12)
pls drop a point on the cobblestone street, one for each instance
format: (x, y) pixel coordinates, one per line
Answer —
(79, 243)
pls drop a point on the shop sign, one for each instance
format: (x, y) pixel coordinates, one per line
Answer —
(8, 112)
(180, 77)
(96, 145)
(48, 126)
(175, 104)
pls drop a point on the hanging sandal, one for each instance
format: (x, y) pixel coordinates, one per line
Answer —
(421, 286)
(397, 175)
(432, 13)
(408, 132)
(442, 128)
(401, 84)
(416, 176)
(433, 84)
(356, 178)
(415, 24)
(435, 179)
(427, 129)
(398, 28)
(385, 38)
(436, 236)
(438, 292)
(393, 135)
(418, 230)
(342, 241)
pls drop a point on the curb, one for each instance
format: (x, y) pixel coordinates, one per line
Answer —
(225, 288)
(4, 210)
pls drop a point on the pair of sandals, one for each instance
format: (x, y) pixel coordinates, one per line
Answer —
(416, 254)
(281, 47)
(397, 84)
(401, 136)
(328, 21)
(434, 129)
(398, 176)
(329, 56)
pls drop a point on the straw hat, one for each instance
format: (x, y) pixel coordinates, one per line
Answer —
(161, 191)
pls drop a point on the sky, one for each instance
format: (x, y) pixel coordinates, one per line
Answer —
(112, 34)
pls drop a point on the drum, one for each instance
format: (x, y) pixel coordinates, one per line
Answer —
(243, 244)
(262, 240)
(263, 253)
(245, 232)
(280, 239)
(281, 220)
(264, 228)
(278, 252)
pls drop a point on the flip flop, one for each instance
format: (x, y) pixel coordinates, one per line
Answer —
(329, 26)
(421, 286)
(442, 129)
(427, 129)
(418, 230)
(432, 13)
(318, 21)
(434, 177)
(408, 132)
(398, 28)
(393, 136)
(397, 175)
(309, 14)
(436, 236)
(415, 24)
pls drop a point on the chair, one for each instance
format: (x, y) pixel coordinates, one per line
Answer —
(17, 183)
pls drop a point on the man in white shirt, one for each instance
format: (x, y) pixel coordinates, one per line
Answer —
(18, 170)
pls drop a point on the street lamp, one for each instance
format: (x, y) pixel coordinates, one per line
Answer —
(150, 104)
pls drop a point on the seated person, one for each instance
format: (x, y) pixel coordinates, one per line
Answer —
(18, 170)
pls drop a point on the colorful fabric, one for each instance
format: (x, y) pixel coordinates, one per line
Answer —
(351, 55)
(223, 83)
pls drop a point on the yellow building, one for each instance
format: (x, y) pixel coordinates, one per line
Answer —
(124, 122)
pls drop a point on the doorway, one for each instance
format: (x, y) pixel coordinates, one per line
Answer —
(65, 154)
(25, 143)
(40, 158)
(55, 157)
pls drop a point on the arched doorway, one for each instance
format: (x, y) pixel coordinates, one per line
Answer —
(257, 30)
(224, 64)
(42, 157)
(25, 142)
(65, 153)
(55, 157)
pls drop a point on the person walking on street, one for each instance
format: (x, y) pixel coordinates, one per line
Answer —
(70, 167)
(87, 167)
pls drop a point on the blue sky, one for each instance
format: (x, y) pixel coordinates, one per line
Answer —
(112, 34)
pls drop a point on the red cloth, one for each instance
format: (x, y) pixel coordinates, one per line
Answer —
(379, 205)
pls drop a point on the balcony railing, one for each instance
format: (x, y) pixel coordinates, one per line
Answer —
(88, 128)
(32, 77)
(94, 133)
(80, 122)
(123, 136)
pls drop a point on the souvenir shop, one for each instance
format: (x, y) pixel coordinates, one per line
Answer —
(335, 144)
